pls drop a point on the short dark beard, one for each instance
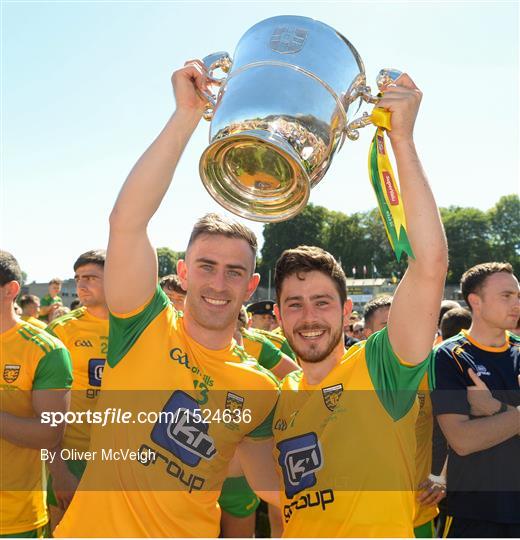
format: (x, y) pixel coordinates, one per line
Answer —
(335, 339)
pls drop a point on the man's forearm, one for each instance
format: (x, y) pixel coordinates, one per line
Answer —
(477, 434)
(151, 176)
(424, 225)
(29, 432)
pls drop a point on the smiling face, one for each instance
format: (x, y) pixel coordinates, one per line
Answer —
(311, 315)
(218, 277)
(497, 302)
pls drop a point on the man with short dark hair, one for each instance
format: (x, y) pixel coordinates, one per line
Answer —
(30, 305)
(453, 321)
(36, 379)
(171, 285)
(446, 305)
(345, 425)
(375, 314)
(186, 366)
(484, 444)
(84, 332)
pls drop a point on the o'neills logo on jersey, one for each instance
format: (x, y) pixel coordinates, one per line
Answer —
(234, 402)
(331, 395)
(11, 372)
(380, 145)
(82, 343)
(390, 188)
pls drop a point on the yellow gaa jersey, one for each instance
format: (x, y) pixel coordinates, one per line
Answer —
(280, 341)
(261, 348)
(346, 446)
(34, 321)
(187, 409)
(423, 458)
(86, 338)
(30, 360)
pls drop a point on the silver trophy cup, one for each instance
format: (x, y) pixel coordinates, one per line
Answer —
(279, 113)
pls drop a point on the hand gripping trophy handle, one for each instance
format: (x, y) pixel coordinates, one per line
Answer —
(219, 60)
(379, 117)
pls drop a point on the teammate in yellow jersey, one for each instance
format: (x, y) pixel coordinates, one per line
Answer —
(375, 315)
(36, 374)
(215, 401)
(84, 332)
(30, 305)
(345, 426)
(237, 500)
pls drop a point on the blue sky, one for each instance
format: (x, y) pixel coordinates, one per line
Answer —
(86, 87)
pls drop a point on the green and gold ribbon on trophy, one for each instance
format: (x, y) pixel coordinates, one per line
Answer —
(386, 188)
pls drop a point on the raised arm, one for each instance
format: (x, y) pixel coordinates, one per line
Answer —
(131, 262)
(415, 308)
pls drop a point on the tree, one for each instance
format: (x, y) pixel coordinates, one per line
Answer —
(307, 228)
(504, 223)
(468, 234)
(167, 259)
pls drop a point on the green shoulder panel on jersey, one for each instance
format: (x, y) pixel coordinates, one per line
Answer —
(65, 319)
(124, 332)
(270, 355)
(54, 371)
(279, 341)
(265, 429)
(286, 349)
(396, 384)
(39, 337)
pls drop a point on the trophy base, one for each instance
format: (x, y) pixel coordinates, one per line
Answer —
(255, 174)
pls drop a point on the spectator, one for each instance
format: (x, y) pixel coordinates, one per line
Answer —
(262, 315)
(453, 321)
(171, 285)
(51, 300)
(483, 473)
(30, 305)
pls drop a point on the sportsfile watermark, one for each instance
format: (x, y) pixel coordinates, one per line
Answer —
(112, 415)
(323, 442)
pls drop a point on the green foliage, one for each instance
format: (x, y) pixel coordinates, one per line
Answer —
(467, 232)
(167, 259)
(307, 228)
(360, 240)
(505, 230)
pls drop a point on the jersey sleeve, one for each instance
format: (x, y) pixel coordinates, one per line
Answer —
(265, 429)
(54, 370)
(46, 301)
(270, 355)
(449, 383)
(395, 381)
(125, 329)
(286, 349)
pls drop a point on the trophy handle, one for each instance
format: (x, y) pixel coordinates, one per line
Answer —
(218, 60)
(379, 116)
